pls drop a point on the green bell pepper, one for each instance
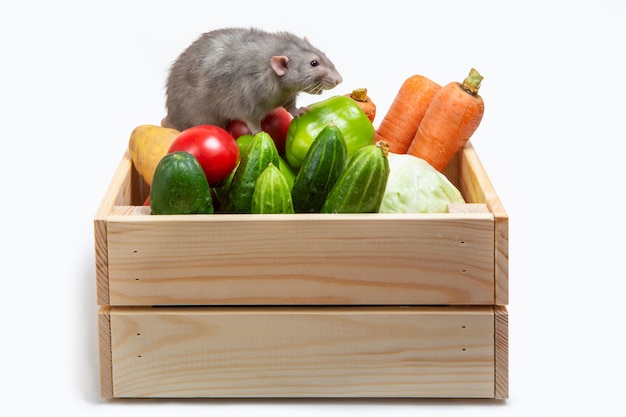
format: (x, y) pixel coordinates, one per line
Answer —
(343, 112)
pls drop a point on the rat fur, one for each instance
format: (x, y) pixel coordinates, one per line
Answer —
(243, 74)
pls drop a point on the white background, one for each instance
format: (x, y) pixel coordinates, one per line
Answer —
(77, 77)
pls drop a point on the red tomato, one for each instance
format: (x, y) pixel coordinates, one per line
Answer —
(276, 124)
(213, 147)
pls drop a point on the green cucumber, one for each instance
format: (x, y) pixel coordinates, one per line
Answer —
(179, 186)
(284, 167)
(260, 152)
(322, 165)
(272, 194)
(361, 186)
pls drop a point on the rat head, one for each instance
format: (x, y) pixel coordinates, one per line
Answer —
(303, 67)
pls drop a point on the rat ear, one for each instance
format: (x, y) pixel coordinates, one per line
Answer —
(279, 64)
(306, 39)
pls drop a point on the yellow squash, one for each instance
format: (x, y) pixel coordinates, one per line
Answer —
(147, 145)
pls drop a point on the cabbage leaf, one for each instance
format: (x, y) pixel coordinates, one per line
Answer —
(414, 186)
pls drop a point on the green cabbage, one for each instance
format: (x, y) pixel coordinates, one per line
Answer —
(414, 186)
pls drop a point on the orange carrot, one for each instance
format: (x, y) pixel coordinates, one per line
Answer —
(366, 104)
(451, 119)
(400, 123)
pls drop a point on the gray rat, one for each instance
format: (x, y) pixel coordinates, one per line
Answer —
(243, 74)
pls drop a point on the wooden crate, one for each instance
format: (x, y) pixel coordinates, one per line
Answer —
(304, 305)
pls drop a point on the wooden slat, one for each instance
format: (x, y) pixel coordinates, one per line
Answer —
(444, 258)
(105, 352)
(303, 352)
(501, 353)
(118, 193)
(468, 208)
(476, 186)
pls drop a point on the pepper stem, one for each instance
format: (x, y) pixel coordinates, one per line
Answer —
(471, 84)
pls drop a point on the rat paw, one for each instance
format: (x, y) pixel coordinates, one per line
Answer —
(300, 111)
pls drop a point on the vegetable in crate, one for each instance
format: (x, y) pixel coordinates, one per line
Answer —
(323, 164)
(359, 95)
(147, 145)
(451, 119)
(180, 186)
(343, 112)
(361, 186)
(414, 186)
(276, 124)
(272, 194)
(244, 140)
(406, 112)
(258, 155)
(213, 147)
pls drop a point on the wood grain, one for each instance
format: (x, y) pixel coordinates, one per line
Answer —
(118, 193)
(303, 352)
(444, 258)
(105, 352)
(502, 352)
(476, 186)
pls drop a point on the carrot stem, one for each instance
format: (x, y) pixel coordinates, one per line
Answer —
(359, 94)
(384, 147)
(471, 83)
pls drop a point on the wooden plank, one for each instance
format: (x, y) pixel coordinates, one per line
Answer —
(501, 352)
(105, 352)
(303, 352)
(474, 183)
(444, 258)
(118, 193)
(468, 208)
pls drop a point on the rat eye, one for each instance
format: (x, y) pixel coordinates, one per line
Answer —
(314, 63)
